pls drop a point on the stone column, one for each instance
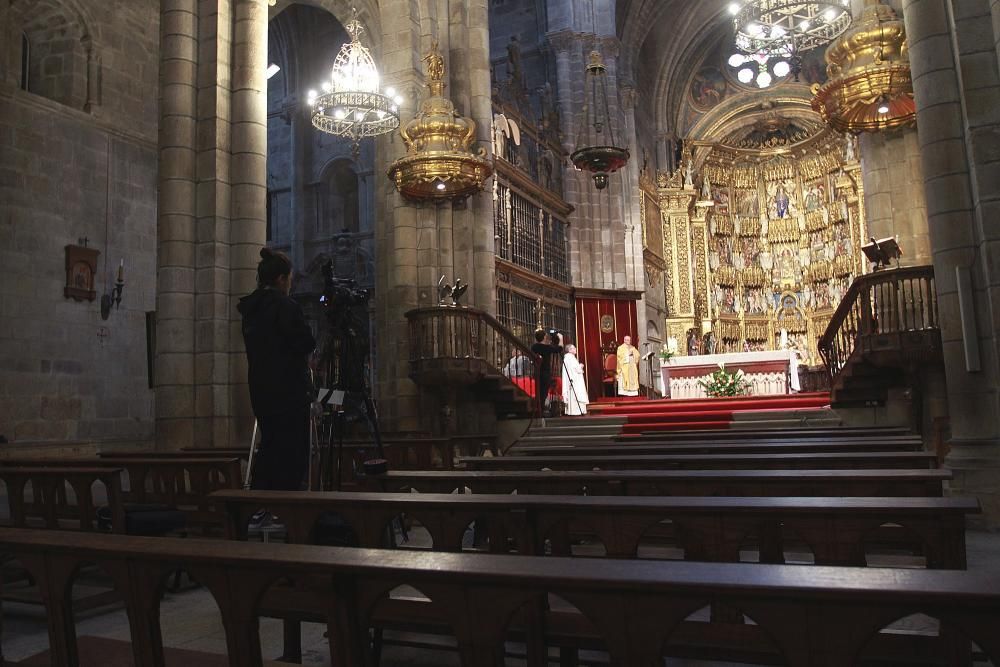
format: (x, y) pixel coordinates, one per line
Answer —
(894, 184)
(396, 228)
(248, 230)
(212, 213)
(956, 88)
(175, 309)
(894, 192)
(298, 125)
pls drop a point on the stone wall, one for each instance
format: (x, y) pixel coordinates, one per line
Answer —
(81, 165)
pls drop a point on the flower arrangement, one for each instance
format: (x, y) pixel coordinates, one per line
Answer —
(723, 383)
(668, 351)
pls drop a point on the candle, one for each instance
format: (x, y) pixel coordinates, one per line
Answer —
(784, 338)
(121, 270)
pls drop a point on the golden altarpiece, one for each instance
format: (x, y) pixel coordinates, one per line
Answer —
(759, 233)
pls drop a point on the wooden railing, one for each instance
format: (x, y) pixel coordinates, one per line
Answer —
(462, 345)
(877, 311)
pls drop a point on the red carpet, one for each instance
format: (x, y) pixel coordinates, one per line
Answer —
(700, 414)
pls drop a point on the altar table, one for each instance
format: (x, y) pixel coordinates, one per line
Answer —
(769, 372)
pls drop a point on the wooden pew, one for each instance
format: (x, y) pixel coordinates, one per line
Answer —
(804, 616)
(183, 483)
(50, 506)
(669, 482)
(796, 461)
(53, 506)
(707, 528)
(777, 447)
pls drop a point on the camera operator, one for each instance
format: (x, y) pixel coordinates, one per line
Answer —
(278, 341)
(545, 348)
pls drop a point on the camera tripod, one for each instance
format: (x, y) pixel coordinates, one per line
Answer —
(348, 399)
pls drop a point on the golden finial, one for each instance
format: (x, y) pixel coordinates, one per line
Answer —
(435, 70)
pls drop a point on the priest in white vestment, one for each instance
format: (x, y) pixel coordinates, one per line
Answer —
(574, 384)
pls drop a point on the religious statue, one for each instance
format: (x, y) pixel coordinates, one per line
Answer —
(435, 63)
(706, 189)
(514, 61)
(781, 201)
(709, 343)
(689, 175)
(628, 368)
(692, 342)
(849, 155)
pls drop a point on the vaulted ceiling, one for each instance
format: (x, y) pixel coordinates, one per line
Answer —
(662, 41)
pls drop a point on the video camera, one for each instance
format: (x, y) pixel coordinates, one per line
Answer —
(340, 292)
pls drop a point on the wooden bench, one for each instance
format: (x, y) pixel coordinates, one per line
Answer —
(797, 461)
(59, 499)
(52, 506)
(713, 529)
(803, 616)
(183, 483)
(622, 449)
(669, 482)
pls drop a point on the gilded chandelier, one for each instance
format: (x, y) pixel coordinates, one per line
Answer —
(439, 163)
(870, 87)
(351, 104)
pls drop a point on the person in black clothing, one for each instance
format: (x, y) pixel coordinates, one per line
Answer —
(278, 342)
(544, 348)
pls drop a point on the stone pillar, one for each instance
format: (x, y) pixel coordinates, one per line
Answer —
(956, 88)
(894, 184)
(397, 228)
(248, 231)
(175, 308)
(212, 212)
(894, 192)
(298, 125)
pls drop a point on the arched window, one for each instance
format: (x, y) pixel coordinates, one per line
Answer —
(54, 56)
(25, 59)
(339, 197)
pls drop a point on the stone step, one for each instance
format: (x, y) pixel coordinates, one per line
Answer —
(582, 422)
(564, 440)
(810, 416)
(831, 422)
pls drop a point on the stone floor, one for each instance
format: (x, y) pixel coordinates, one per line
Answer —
(190, 619)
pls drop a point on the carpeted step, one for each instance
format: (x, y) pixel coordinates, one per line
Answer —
(660, 407)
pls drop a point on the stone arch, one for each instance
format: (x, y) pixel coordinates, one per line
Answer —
(342, 10)
(339, 196)
(61, 61)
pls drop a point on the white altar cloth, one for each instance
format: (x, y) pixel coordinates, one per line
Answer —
(769, 372)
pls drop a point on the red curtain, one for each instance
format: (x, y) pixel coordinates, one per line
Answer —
(591, 340)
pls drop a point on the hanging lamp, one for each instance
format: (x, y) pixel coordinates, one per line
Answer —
(351, 104)
(440, 162)
(870, 86)
(596, 150)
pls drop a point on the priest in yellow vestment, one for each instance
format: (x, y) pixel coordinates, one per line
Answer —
(628, 368)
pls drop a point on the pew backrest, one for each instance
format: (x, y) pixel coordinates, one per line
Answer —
(824, 461)
(707, 528)
(63, 497)
(634, 610)
(669, 482)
